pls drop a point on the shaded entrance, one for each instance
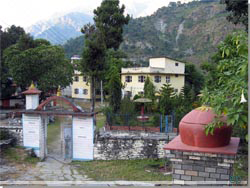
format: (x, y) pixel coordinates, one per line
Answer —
(59, 138)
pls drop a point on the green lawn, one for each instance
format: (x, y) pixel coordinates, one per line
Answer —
(100, 120)
(129, 170)
(53, 129)
(18, 155)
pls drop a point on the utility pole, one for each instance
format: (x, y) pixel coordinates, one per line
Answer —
(101, 94)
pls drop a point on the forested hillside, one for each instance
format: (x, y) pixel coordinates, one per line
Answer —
(189, 32)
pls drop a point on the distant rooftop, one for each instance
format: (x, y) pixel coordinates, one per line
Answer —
(76, 57)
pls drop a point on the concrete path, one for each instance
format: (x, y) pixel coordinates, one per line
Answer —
(53, 170)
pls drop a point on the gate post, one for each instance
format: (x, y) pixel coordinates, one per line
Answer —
(166, 127)
(43, 141)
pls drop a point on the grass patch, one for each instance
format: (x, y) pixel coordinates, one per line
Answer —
(19, 155)
(100, 120)
(129, 170)
(53, 129)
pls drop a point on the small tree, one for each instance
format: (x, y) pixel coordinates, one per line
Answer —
(149, 89)
(149, 92)
(114, 86)
(92, 63)
(167, 99)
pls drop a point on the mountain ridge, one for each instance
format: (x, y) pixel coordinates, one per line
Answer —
(60, 29)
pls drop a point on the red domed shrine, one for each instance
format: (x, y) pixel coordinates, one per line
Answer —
(196, 156)
(192, 129)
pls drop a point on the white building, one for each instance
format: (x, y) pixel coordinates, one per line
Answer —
(161, 70)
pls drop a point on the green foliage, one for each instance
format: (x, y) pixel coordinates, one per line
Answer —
(36, 60)
(149, 92)
(114, 86)
(74, 46)
(127, 106)
(7, 38)
(194, 80)
(92, 63)
(238, 11)
(229, 82)
(5, 135)
(166, 102)
(109, 19)
(149, 89)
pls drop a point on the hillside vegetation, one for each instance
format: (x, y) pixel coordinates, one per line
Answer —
(189, 32)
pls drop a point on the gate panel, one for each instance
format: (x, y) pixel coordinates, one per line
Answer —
(31, 132)
(83, 138)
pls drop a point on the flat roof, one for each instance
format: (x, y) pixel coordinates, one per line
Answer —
(163, 56)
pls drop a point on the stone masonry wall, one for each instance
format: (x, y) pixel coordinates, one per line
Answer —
(111, 145)
(195, 166)
(16, 131)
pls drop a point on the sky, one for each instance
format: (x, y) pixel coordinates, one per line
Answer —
(24, 13)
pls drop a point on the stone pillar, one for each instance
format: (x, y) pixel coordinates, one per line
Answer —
(202, 165)
(42, 139)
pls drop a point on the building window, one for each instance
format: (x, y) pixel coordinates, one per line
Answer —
(85, 91)
(176, 64)
(84, 78)
(76, 79)
(128, 78)
(176, 90)
(76, 91)
(141, 78)
(167, 79)
(157, 79)
(176, 75)
(141, 93)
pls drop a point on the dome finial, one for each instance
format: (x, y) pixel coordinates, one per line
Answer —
(59, 91)
(32, 85)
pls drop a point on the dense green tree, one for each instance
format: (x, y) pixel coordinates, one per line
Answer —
(36, 60)
(194, 80)
(229, 84)
(114, 86)
(105, 34)
(109, 19)
(7, 38)
(149, 92)
(166, 102)
(93, 61)
(149, 89)
(10, 36)
(74, 46)
(238, 11)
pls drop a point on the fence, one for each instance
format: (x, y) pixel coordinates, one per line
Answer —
(158, 122)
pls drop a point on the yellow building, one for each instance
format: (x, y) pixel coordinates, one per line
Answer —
(161, 70)
(81, 87)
